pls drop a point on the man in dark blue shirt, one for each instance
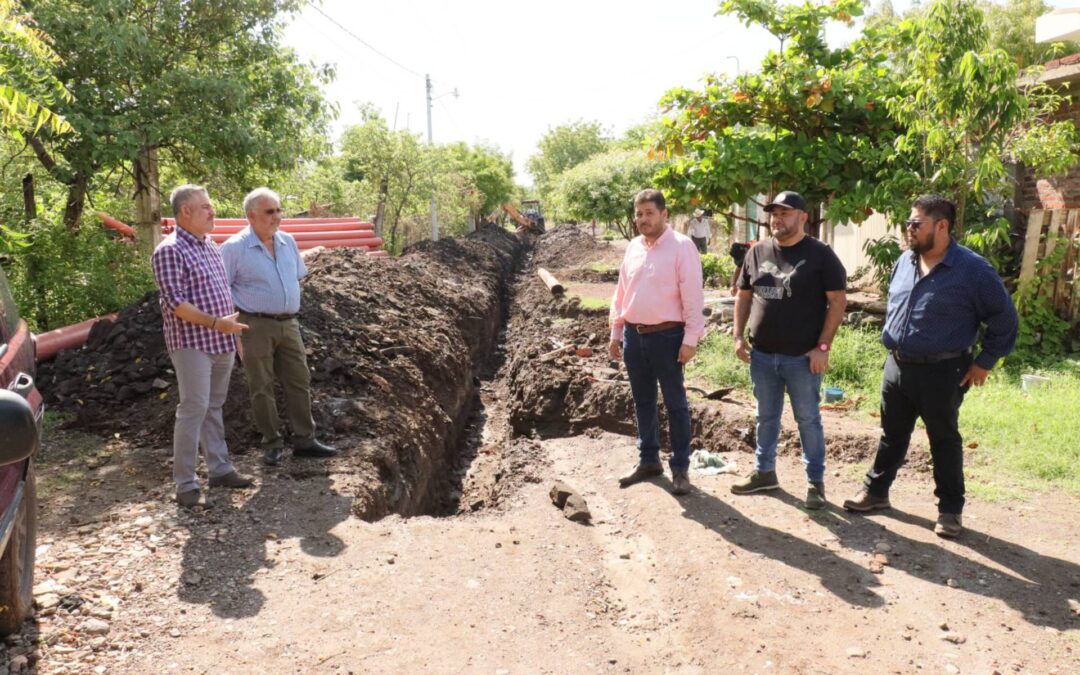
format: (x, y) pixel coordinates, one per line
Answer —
(940, 295)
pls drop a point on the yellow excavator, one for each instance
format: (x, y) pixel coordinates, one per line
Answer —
(529, 219)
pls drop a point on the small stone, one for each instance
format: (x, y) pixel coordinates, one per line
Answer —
(94, 627)
(882, 547)
(952, 583)
(192, 579)
(944, 625)
(855, 653)
(576, 509)
(624, 556)
(559, 493)
(955, 638)
(144, 521)
(19, 663)
(159, 383)
(1074, 605)
(951, 668)
(174, 632)
(48, 600)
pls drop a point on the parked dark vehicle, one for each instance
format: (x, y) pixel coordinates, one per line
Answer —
(21, 411)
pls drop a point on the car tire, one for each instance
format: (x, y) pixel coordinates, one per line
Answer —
(17, 563)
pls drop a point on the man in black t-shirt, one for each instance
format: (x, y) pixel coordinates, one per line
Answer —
(792, 291)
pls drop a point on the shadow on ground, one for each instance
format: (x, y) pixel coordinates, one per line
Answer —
(230, 544)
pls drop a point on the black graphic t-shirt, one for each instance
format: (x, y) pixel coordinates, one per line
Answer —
(789, 285)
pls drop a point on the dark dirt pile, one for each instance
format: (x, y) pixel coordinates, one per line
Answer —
(569, 245)
(393, 344)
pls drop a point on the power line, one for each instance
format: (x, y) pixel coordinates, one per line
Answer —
(359, 39)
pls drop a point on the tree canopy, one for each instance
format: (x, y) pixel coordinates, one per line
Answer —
(603, 187)
(208, 84)
(922, 104)
(564, 147)
(29, 87)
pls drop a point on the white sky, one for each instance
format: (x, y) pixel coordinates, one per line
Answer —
(521, 67)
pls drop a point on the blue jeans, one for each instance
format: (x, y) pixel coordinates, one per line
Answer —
(771, 375)
(652, 358)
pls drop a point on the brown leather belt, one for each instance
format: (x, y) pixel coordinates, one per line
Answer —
(643, 329)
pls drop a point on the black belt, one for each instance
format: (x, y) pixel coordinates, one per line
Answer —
(901, 357)
(272, 317)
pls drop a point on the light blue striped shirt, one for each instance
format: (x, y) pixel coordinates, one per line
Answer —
(260, 283)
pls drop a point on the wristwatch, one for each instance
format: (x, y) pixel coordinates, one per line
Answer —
(823, 347)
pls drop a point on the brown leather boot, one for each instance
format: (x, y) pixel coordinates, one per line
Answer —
(865, 501)
(641, 472)
(680, 483)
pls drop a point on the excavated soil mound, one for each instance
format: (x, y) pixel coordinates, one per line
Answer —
(567, 246)
(393, 345)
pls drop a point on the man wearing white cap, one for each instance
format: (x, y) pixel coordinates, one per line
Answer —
(700, 229)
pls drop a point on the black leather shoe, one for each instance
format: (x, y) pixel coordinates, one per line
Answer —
(641, 472)
(314, 448)
(273, 456)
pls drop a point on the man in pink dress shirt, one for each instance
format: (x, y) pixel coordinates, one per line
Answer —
(656, 322)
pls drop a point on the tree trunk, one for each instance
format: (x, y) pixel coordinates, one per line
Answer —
(380, 211)
(29, 203)
(961, 206)
(76, 200)
(147, 199)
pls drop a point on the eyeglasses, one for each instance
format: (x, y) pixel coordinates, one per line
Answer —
(274, 212)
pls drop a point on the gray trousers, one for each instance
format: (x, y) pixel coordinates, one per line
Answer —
(203, 380)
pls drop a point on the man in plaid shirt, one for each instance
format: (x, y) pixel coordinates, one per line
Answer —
(200, 329)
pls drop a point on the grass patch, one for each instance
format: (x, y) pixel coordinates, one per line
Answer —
(593, 302)
(602, 266)
(1028, 434)
(1024, 438)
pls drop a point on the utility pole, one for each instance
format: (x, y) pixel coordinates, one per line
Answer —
(431, 143)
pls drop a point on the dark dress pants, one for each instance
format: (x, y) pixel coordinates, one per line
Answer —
(931, 391)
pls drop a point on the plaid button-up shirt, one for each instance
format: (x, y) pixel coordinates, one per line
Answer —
(188, 269)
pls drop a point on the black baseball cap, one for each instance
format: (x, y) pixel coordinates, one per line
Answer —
(787, 199)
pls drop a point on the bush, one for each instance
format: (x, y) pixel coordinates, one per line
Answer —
(61, 277)
(883, 254)
(716, 270)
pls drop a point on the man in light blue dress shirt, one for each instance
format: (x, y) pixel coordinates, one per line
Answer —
(264, 269)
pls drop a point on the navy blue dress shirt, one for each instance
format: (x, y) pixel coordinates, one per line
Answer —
(942, 311)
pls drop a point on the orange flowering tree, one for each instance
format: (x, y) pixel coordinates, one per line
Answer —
(810, 119)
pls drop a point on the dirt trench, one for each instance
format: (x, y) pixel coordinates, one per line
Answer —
(394, 345)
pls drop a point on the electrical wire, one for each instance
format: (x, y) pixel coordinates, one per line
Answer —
(359, 39)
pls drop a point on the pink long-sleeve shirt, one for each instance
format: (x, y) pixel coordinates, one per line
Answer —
(660, 282)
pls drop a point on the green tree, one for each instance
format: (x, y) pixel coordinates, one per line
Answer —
(564, 147)
(1011, 27)
(29, 87)
(811, 119)
(485, 172)
(603, 187)
(204, 85)
(393, 164)
(964, 116)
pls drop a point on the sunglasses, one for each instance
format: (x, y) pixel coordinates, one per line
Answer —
(273, 212)
(914, 224)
